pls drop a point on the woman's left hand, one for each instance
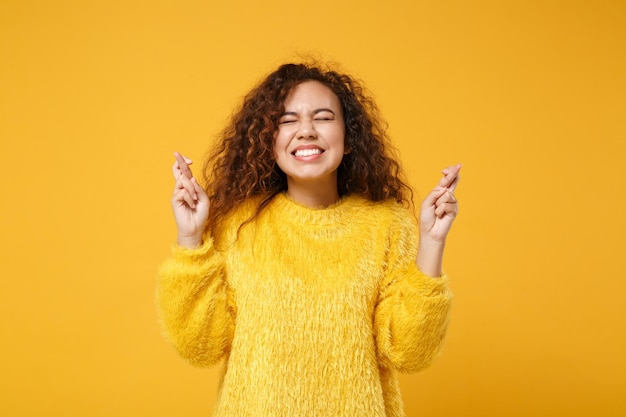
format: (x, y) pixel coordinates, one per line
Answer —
(440, 207)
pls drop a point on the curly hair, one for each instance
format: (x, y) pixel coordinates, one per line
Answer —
(241, 164)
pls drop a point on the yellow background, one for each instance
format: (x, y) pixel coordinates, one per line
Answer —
(528, 95)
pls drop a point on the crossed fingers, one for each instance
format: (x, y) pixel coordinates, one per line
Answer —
(185, 189)
(446, 202)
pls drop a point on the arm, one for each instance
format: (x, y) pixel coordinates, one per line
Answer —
(195, 305)
(411, 315)
(194, 302)
(412, 312)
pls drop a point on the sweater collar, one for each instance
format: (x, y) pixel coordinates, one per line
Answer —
(334, 215)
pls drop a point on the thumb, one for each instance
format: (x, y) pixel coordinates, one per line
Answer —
(432, 197)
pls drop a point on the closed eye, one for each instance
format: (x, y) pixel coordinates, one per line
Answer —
(324, 114)
(287, 117)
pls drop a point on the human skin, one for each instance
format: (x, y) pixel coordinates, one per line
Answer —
(309, 145)
(437, 213)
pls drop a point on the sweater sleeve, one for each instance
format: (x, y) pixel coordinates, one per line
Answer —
(411, 315)
(195, 305)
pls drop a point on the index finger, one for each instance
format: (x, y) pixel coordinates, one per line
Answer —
(182, 165)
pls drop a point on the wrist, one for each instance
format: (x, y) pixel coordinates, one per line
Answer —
(189, 242)
(430, 243)
(430, 256)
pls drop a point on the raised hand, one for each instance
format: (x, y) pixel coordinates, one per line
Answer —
(437, 213)
(440, 207)
(189, 202)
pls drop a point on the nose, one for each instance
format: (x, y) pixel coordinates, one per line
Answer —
(306, 130)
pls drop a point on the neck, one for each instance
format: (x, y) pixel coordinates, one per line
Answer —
(313, 195)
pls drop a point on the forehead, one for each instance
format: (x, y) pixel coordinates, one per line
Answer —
(314, 94)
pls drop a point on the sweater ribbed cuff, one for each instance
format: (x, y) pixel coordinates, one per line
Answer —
(431, 286)
(181, 253)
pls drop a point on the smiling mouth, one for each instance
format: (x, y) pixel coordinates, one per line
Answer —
(307, 152)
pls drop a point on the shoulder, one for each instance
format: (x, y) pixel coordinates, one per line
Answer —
(393, 221)
(227, 227)
(386, 211)
(392, 224)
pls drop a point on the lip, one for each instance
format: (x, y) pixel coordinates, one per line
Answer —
(305, 147)
(307, 158)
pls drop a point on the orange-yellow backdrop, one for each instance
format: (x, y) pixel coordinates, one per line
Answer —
(529, 95)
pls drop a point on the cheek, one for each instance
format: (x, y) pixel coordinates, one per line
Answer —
(340, 136)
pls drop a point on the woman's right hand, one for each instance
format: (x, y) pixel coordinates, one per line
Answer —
(190, 204)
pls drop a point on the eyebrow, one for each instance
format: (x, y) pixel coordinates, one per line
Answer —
(316, 111)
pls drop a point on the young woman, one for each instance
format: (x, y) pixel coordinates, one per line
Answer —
(299, 266)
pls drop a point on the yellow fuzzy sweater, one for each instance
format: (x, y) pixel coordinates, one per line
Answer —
(313, 310)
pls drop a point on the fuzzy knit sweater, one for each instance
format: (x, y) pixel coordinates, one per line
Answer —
(312, 310)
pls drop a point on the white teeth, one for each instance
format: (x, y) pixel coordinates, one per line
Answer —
(307, 152)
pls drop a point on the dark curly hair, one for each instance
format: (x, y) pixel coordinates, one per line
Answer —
(241, 164)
